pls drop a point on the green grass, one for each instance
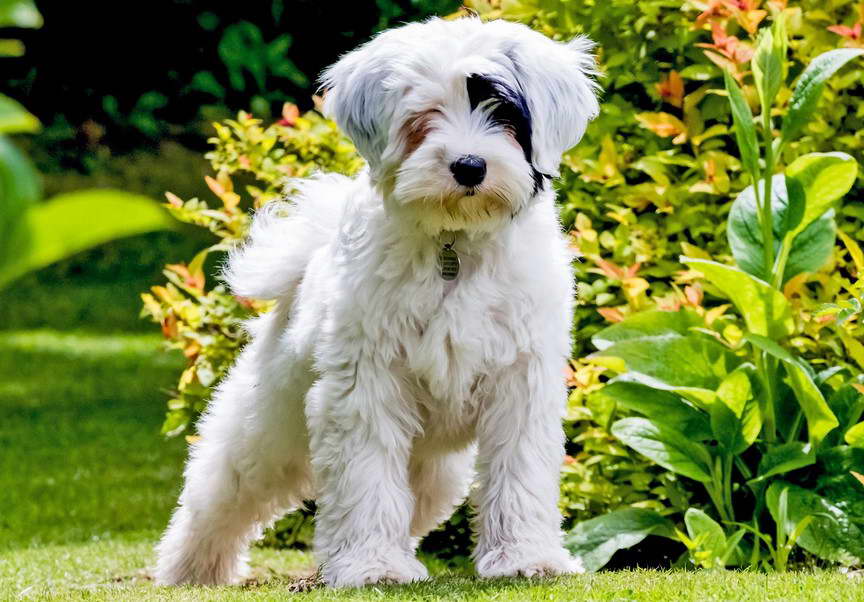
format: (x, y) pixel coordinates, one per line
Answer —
(116, 570)
(87, 483)
(82, 457)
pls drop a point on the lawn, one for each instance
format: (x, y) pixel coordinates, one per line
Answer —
(87, 483)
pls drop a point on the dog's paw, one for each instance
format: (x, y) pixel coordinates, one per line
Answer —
(527, 562)
(361, 570)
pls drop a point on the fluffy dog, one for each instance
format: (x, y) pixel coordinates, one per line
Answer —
(422, 323)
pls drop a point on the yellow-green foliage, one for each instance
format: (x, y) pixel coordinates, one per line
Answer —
(653, 179)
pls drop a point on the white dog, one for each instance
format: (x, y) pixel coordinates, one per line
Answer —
(422, 324)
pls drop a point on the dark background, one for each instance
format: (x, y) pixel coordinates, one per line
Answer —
(127, 93)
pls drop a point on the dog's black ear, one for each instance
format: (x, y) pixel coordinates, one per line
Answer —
(356, 98)
(558, 80)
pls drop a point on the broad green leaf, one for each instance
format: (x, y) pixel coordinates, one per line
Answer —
(824, 178)
(745, 130)
(810, 86)
(658, 405)
(855, 435)
(11, 47)
(736, 393)
(765, 309)
(666, 446)
(726, 427)
(832, 535)
(15, 119)
(847, 403)
(709, 537)
(820, 419)
(783, 458)
(19, 187)
(76, 221)
(19, 13)
(594, 541)
(811, 248)
(744, 232)
(671, 362)
(767, 66)
(647, 323)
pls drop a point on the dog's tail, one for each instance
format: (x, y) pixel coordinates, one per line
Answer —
(283, 238)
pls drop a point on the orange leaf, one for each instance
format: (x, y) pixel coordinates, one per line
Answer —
(858, 476)
(611, 270)
(671, 89)
(173, 199)
(664, 125)
(612, 314)
(169, 326)
(852, 33)
(693, 293)
(859, 387)
(290, 113)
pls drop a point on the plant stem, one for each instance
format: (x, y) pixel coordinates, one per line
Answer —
(727, 487)
(780, 266)
(765, 218)
(764, 365)
(715, 489)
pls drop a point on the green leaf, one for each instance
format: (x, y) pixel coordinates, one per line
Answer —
(811, 248)
(783, 458)
(9, 48)
(658, 405)
(736, 394)
(767, 66)
(700, 72)
(832, 535)
(820, 418)
(709, 537)
(647, 323)
(745, 130)
(847, 403)
(15, 119)
(765, 309)
(666, 446)
(671, 362)
(824, 179)
(19, 13)
(855, 435)
(19, 187)
(72, 222)
(726, 427)
(743, 231)
(810, 86)
(595, 541)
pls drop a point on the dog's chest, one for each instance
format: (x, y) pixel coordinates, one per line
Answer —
(452, 339)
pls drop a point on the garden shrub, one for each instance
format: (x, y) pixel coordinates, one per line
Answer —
(652, 180)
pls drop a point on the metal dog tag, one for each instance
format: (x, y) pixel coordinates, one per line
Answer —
(448, 262)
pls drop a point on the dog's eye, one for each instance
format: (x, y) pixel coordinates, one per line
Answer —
(506, 105)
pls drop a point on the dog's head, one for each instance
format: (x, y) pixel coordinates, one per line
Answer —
(463, 122)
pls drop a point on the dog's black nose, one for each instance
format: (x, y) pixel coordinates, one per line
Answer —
(468, 170)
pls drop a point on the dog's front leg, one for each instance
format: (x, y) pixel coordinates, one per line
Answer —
(520, 453)
(361, 433)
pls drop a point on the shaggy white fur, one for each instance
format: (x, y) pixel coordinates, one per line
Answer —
(376, 386)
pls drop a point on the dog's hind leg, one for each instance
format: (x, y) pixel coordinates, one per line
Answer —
(250, 465)
(439, 482)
